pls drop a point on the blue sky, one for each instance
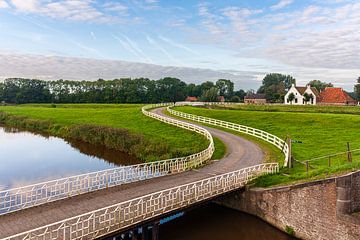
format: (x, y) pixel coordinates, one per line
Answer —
(310, 39)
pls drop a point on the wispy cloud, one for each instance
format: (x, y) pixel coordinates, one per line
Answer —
(281, 4)
(163, 50)
(4, 4)
(178, 45)
(116, 7)
(92, 34)
(132, 48)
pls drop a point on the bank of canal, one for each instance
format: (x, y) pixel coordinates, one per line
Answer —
(27, 158)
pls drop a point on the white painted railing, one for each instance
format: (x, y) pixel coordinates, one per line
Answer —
(268, 137)
(126, 214)
(28, 196)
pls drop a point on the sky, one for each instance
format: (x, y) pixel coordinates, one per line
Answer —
(309, 39)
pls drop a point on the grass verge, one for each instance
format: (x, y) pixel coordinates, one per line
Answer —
(122, 127)
(319, 133)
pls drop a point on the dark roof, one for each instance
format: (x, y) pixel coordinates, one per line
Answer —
(316, 92)
(302, 90)
(335, 95)
(255, 96)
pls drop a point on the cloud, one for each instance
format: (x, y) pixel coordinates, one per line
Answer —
(177, 45)
(163, 50)
(75, 10)
(92, 34)
(55, 67)
(116, 7)
(209, 20)
(4, 4)
(132, 48)
(281, 4)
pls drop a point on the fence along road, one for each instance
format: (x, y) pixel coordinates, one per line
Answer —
(268, 137)
(33, 195)
(91, 215)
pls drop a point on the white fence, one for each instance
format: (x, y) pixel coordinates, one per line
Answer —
(20, 198)
(119, 216)
(268, 137)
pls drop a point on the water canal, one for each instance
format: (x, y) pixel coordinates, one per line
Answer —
(27, 158)
(207, 222)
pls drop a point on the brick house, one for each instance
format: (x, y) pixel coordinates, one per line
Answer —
(255, 98)
(191, 99)
(336, 96)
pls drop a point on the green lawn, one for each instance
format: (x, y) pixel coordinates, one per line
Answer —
(180, 142)
(294, 108)
(320, 133)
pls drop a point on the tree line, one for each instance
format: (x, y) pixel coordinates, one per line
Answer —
(125, 90)
(144, 90)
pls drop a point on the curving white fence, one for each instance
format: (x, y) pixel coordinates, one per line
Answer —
(268, 137)
(126, 214)
(28, 196)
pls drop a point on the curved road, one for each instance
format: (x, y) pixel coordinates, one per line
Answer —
(240, 153)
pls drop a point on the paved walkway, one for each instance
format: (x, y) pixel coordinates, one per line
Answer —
(240, 153)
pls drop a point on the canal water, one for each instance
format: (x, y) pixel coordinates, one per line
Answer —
(206, 222)
(214, 222)
(27, 158)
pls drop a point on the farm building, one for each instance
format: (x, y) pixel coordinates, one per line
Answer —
(336, 96)
(255, 98)
(191, 99)
(310, 95)
(302, 95)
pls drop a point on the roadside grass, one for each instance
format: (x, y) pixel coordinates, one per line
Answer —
(162, 140)
(292, 108)
(220, 149)
(320, 133)
(272, 154)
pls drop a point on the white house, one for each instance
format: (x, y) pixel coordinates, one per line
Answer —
(300, 95)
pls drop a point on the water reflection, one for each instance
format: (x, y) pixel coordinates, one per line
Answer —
(215, 222)
(27, 158)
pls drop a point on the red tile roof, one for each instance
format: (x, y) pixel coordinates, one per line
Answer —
(335, 95)
(191, 99)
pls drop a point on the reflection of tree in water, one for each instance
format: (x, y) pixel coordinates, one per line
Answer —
(110, 155)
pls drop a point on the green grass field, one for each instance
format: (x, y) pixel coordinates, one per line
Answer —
(294, 108)
(180, 142)
(320, 133)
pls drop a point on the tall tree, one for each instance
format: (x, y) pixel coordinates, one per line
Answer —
(226, 88)
(357, 89)
(210, 95)
(275, 85)
(319, 85)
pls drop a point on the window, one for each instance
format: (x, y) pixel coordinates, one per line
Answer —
(296, 100)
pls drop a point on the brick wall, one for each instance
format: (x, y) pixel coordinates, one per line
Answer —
(323, 209)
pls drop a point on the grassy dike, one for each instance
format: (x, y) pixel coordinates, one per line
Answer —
(117, 126)
(320, 133)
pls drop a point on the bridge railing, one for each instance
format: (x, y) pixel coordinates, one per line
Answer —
(268, 137)
(126, 214)
(32, 195)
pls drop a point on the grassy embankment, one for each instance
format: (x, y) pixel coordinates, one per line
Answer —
(320, 133)
(117, 126)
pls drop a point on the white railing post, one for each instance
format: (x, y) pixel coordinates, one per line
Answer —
(144, 207)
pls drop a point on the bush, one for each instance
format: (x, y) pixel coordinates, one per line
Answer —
(289, 230)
